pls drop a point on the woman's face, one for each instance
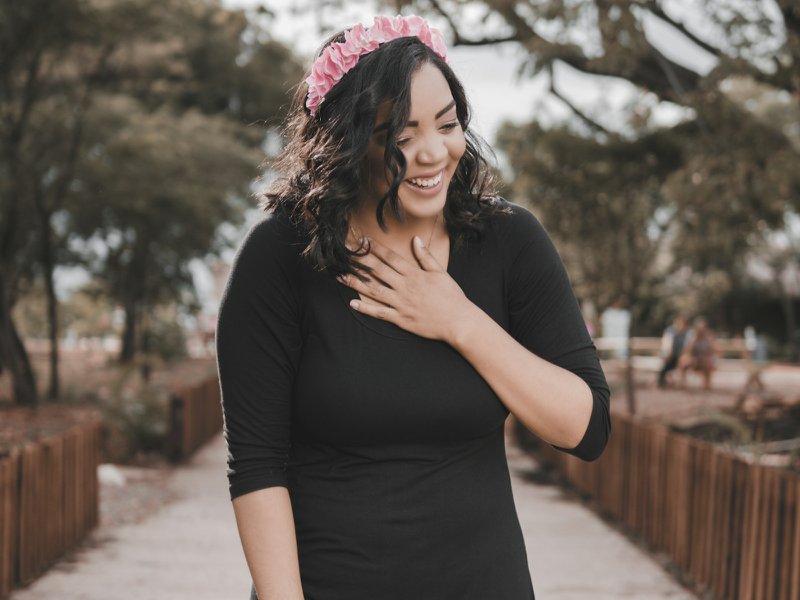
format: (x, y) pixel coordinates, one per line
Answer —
(432, 143)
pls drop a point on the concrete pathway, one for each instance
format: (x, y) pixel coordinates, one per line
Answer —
(575, 555)
(189, 549)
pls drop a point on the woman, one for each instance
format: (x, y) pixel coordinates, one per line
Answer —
(377, 329)
(699, 353)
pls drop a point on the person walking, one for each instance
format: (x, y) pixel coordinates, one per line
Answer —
(672, 342)
(378, 327)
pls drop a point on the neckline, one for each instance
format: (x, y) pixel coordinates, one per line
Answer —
(380, 326)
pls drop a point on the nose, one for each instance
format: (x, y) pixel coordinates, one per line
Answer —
(432, 150)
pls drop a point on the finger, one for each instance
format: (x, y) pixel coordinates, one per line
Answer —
(380, 270)
(371, 288)
(426, 260)
(378, 311)
(389, 256)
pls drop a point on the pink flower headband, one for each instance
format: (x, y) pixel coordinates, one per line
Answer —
(338, 58)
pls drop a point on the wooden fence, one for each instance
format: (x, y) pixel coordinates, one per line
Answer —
(732, 526)
(195, 416)
(49, 500)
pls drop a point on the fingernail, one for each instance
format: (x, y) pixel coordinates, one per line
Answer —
(418, 241)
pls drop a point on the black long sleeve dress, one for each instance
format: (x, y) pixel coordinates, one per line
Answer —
(391, 445)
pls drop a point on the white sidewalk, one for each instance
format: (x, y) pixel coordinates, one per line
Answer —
(575, 555)
(189, 549)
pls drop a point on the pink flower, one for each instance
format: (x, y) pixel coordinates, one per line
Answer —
(338, 58)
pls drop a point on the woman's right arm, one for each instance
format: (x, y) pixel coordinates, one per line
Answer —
(266, 529)
(259, 343)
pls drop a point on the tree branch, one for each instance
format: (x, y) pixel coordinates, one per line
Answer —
(28, 99)
(594, 125)
(790, 74)
(646, 73)
(8, 234)
(460, 40)
(655, 8)
(76, 139)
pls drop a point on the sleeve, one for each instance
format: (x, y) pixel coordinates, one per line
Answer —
(258, 343)
(546, 319)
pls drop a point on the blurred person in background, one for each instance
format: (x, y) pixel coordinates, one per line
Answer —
(699, 352)
(377, 329)
(672, 343)
(615, 322)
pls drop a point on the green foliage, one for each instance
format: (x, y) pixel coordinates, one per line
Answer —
(154, 190)
(663, 213)
(136, 417)
(737, 183)
(136, 124)
(600, 199)
(165, 338)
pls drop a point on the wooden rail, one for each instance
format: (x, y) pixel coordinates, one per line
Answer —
(732, 526)
(49, 501)
(195, 416)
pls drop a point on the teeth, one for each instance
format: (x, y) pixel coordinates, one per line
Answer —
(424, 183)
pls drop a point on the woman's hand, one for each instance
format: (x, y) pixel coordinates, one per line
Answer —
(420, 298)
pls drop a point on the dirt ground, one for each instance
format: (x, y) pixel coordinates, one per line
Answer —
(88, 381)
(781, 385)
(751, 423)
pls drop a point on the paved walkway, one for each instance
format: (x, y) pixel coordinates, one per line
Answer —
(189, 549)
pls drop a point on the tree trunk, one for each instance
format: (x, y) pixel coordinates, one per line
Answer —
(14, 355)
(52, 317)
(630, 388)
(134, 298)
(128, 349)
(52, 301)
(787, 303)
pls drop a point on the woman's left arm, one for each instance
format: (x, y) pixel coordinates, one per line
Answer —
(551, 401)
(544, 369)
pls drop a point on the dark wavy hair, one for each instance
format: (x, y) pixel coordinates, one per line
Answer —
(319, 172)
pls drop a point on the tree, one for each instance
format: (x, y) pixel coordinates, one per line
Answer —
(62, 64)
(601, 201)
(735, 181)
(154, 192)
(31, 35)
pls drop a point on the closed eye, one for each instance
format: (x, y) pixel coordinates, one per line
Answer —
(447, 127)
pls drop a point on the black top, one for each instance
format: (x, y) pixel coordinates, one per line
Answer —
(391, 445)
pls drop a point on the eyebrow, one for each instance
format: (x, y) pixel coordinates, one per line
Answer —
(383, 126)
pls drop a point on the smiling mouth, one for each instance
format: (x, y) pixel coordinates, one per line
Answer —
(427, 182)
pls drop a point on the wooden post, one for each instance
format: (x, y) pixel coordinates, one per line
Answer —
(630, 392)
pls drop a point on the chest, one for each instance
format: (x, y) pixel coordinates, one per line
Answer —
(363, 381)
